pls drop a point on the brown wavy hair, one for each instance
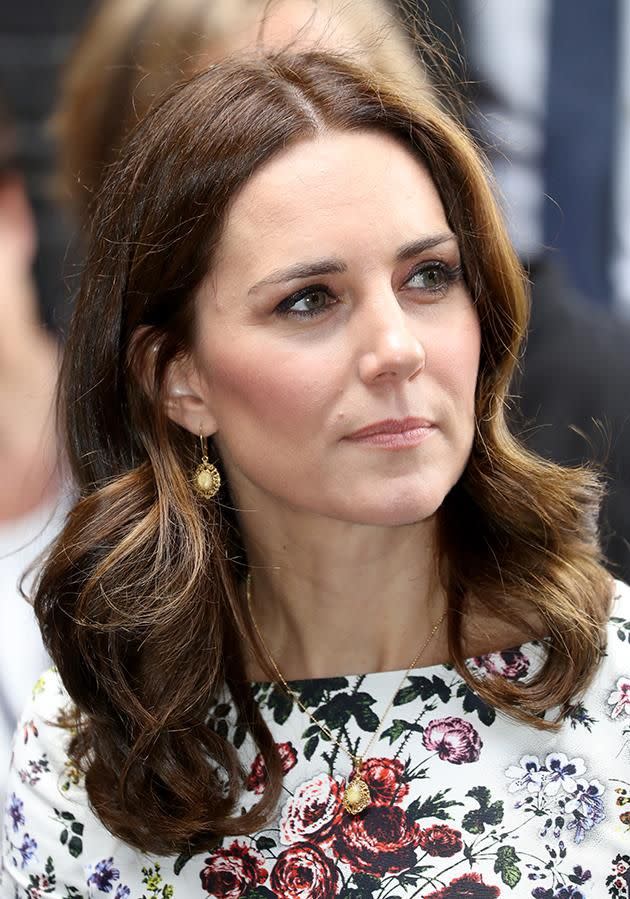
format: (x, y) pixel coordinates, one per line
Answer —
(140, 601)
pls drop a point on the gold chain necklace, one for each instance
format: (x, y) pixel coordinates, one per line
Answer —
(357, 793)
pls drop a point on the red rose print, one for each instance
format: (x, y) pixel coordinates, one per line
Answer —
(455, 740)
(468, 886)
(441, 841)
(304, 872)
(383, 777)
(379, 842)
(232, 872)
(313, 812)
(258, 775)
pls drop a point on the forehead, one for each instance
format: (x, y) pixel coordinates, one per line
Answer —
(339, 188)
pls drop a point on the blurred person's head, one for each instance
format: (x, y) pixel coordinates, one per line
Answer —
(132, 50)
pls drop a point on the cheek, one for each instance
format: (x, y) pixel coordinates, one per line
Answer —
(456, 361)
(280, 390)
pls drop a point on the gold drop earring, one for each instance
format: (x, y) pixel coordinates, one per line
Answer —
(206, 479)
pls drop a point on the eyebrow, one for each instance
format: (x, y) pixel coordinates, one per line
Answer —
(303, 270)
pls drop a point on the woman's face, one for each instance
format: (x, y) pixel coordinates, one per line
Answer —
(337, 305)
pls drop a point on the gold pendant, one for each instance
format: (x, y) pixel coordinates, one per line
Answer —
(207, 480)
(357, 795)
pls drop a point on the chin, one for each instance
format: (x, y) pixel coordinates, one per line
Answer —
(393, 510)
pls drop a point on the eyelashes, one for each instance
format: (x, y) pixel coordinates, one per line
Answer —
(432, 278)
(318, 295)
(438, 276)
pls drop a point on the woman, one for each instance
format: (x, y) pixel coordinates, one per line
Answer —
(284, 397)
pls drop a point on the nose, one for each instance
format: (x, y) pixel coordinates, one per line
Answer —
(392, 349)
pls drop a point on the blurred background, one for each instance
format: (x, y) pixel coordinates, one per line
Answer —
(545, 87)
(35, 40)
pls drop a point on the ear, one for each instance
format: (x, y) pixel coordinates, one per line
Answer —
(186, 397)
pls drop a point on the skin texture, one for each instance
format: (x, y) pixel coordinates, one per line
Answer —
(333, 521)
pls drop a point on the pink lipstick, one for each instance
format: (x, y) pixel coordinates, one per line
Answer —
(393, 433)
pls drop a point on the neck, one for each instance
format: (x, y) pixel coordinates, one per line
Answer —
(344, 599)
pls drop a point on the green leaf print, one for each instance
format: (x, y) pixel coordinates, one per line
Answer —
(506, 865)
(75, 847)
(280, 704)
(366, 884)
(310, 746)
(71, 832)
(476, 820)
(39, 884)
(335, 713)
(432, 807)
(263, 843)
(221, 727)
(260, 893)
(400, 727)
(312, 693)
(623, 627)
(423, 688)
(181, 860)
(363, 714)
(474, 703)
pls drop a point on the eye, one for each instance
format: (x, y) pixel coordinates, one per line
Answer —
(433, 276)
(306, 303)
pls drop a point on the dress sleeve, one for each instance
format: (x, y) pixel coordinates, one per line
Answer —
(46, 806)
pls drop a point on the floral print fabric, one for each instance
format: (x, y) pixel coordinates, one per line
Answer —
(465, 802)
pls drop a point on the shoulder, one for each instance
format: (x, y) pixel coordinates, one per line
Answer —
(46, 806)
(40, 732)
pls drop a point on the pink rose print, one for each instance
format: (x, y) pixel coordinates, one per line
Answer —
(304, 872)
(379, 842)
(511, 664)
(620, 698)
(232, 872)
(383, 777)
(258, 776)
(313, 811)
(455, 740)
(468, 885)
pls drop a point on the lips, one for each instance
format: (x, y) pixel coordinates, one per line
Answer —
(392, 426)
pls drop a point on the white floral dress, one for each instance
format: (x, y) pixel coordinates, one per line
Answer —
(466, 802)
